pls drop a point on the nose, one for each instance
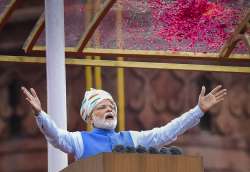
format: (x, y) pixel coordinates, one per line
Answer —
(109, 109)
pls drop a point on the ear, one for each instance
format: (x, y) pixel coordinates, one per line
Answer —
(90, 119)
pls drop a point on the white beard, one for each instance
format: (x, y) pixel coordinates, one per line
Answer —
(105, 123)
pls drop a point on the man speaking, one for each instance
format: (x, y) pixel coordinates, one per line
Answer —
(99, 109)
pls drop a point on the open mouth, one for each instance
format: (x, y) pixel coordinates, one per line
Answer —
(109, 117)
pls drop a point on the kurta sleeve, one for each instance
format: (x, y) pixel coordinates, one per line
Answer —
(164, 135)
(68, 142)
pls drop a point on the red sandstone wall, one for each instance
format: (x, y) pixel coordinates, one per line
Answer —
(153, 98)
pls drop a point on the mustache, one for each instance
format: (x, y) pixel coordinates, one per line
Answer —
(110, 115)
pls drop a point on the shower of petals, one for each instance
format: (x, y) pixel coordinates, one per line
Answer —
(197, 21)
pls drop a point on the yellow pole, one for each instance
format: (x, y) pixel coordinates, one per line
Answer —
(120, 71)
(98, 71)
(88, 69)
(131, 64)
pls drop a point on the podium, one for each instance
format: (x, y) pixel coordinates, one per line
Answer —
(134, 162)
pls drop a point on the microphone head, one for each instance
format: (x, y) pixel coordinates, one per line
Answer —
(141, 149)
(176, 150)
(165, 151)
(130, 149)
(153, 150)
(119, 148)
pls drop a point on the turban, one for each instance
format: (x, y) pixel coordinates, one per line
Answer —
(91, 99)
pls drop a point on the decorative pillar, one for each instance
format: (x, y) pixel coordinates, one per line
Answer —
(56, 82)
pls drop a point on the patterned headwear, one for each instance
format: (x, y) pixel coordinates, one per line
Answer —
(91, 99)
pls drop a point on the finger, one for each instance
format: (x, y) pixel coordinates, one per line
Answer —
(23, 89)
(33, 92)
(29, 101)
(221, 92)
(26, 93)
(221, 96)
(203, 91)
(32, 103)
(35, 95)
(216, 89)
(219, 100)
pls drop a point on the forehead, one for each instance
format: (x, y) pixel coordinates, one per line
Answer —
(105, 101)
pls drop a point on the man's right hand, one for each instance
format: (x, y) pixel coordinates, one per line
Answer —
(32, 99)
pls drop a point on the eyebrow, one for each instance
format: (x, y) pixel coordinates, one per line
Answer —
(112, 105)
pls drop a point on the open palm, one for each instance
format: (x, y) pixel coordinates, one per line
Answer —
(32, 98)
(215, 96)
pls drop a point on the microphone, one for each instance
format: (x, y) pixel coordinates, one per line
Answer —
(153, 150)
(141, 149)
(119, 148)
(165, 151)
(130, 149)
(176, 150)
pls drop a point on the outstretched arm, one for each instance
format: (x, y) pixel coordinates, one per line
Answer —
(158, 137)
(68, 142)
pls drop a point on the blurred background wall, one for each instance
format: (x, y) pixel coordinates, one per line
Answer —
(152, 98)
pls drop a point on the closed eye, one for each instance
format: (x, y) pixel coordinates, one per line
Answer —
(101, 107)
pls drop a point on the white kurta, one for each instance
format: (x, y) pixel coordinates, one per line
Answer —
(72, 142)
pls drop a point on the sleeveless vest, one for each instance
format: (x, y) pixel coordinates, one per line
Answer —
(101, 140)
